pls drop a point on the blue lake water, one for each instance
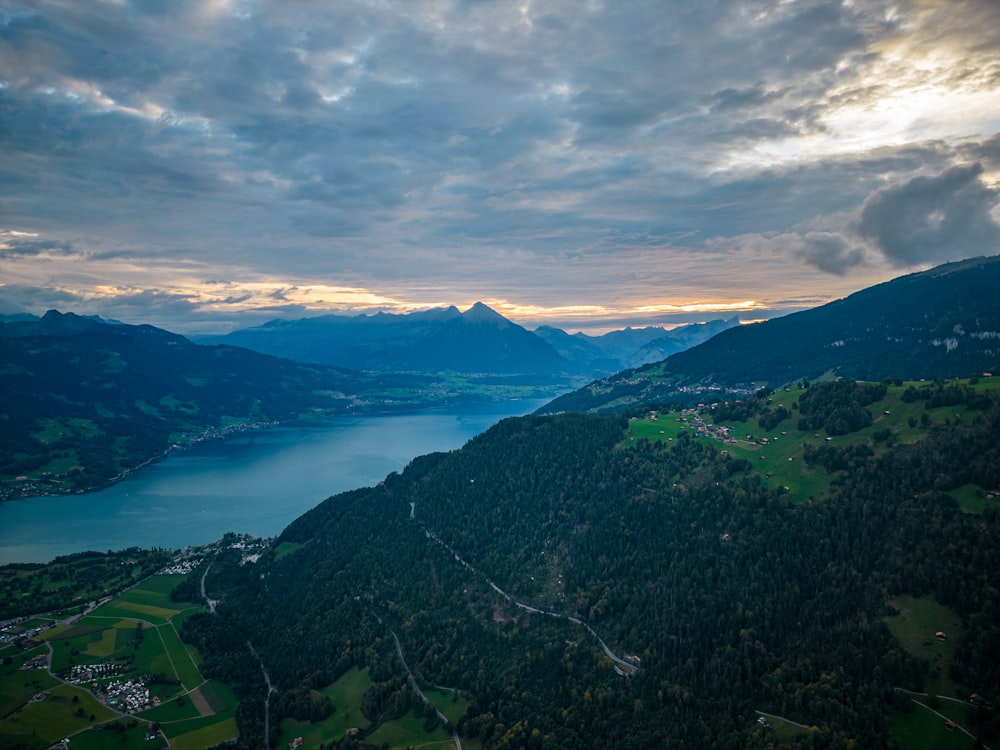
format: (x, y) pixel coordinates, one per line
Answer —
(254, 483)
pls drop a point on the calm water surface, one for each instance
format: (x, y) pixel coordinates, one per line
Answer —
(256, 483)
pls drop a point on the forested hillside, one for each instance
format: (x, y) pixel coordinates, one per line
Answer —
(944, 322)
(719, 595)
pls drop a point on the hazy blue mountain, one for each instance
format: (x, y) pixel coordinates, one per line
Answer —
(629, 347)
(478, 340)
(937, 323)
(607, 353)
(677, 340)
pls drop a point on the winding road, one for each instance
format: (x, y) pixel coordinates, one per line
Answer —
(622, 667)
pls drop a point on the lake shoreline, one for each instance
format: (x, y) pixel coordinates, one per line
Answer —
(48, 487)
(254, 481)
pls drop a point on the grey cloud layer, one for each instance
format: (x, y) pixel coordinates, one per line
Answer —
(394, 142)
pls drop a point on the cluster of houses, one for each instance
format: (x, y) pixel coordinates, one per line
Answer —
(180, 566)
(251, 547)
(702, 428)
(37, 662)
(92, 672)
(127, 696)
(11, 632)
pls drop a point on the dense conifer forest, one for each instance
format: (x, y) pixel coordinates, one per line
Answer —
(729, 598)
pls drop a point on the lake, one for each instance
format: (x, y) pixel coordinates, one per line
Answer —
(254, 483)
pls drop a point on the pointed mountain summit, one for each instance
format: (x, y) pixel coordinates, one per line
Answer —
(481, 313)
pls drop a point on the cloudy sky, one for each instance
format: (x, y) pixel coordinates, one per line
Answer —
(216, 163)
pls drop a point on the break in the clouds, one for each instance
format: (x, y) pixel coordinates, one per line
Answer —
(192, 163)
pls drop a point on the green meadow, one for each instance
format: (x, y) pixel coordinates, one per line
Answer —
(406, 731)
(920, 729)
(64, 711)
(915, 626)
(124, 734)
(780, 459)
(346, 695)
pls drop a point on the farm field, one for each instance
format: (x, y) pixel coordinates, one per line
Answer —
(70, 582)
(127, 637)
(63, 711)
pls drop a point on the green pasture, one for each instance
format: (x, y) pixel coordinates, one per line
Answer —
(285, 549)
(120, 608)
(174, 404)
(102, 646)
(165, 691)
(448, 702)
(920, 729)
(17, 685)
(346, 695)
(172, 710)
(914, 627)
(972, 498)
(69, 632)
(149, 601)
(119, 735)
(178, 619)
(149, 657)
(313, 735)
(156, 590)
(200, 732)
(219, 696)
(184, 668)
(112, 611)
(83, 643)
(407, 731)
(48, 721)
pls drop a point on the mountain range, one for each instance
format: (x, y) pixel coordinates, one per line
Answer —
(943, 322)
(812, 568)
(479, 340)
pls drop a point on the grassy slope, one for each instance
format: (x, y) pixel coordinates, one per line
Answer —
(780, 461)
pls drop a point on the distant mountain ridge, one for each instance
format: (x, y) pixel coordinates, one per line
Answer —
(477, 340)
(937, 323)
(630, 347)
